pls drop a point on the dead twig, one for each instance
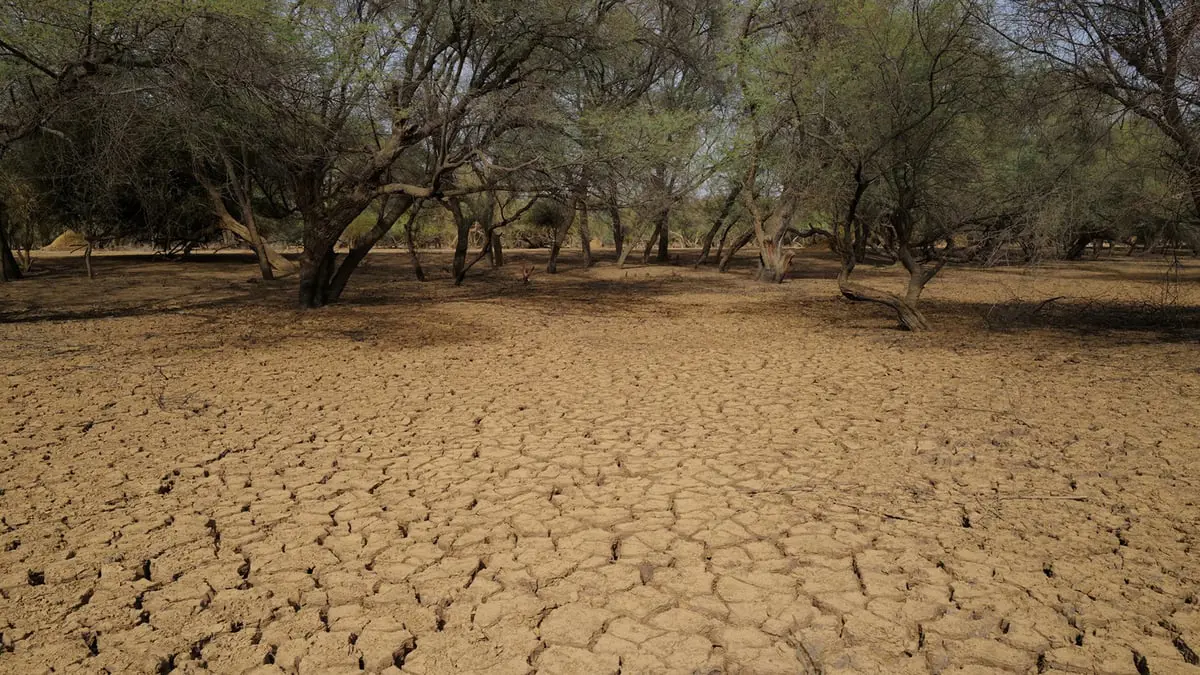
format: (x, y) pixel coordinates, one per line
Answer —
(879, 514)
(1042, 498)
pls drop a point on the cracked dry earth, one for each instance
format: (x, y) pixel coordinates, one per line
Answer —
(666, 472)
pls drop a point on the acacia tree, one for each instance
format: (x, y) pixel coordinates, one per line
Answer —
(221, 111)
(60, 58)
(635, 107)
(1143, 54)
(53, 51)
(488, 211)
(403, 73)
(894, 92)
(775, 156)
(1073, 172)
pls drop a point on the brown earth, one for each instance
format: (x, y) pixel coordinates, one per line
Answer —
(650, 470)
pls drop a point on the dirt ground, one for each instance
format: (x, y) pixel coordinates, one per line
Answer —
(651, 470)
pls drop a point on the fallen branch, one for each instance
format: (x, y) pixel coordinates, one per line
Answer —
(1043, 303)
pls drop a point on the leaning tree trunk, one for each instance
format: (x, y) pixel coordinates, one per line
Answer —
(389, 212)
(625, 251)
(259, 246)
(726, 208)
(460, 275)
(270, 261)
(905, 307)
(650, 244)
(1075, 251)
(621, 258)
(850, 239)
(724, 237)
(279, 264)
(657, 237)
(737, 245)
(910, 317)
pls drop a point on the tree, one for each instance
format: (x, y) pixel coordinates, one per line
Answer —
(414, 70)
(222, 115)
(53, 52)
(1143, 54)
(892, 101)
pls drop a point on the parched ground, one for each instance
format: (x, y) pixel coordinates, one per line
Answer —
(652, 470)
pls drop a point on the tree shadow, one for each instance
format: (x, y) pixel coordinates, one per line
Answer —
(116, 312)
(1128, 322)
(135, 285)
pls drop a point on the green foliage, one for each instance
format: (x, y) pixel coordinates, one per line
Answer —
(122, 119)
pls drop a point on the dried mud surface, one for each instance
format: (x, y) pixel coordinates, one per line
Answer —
(655, 470)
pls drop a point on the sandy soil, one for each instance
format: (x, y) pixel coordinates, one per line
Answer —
(654, 470)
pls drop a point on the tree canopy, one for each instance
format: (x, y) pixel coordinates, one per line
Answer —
(923, 131)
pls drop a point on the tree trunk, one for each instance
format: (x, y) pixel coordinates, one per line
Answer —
(312, 290)
(773, 263)
(492, 248)
(726, 209)
(410, 239)
(486, 252)
(322, 228)
(278, 262)
(850, 239)
(461, 245)
(625, 251)
(87, 259)
(659, 237)
(724, 236)
(256, 243)
(737, 245)
(585, 234)
(390, 211)
(9, 269)
(618, 231)
(621, 258)
(910, 317)
(560, 235)
(316, 270)
(25, 258)
(269, 260)
(650, 244)
(497, 257)
(552, 264)
(1078, 247)
(664, 238)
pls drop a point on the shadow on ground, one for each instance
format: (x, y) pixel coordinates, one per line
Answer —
(140, 285)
